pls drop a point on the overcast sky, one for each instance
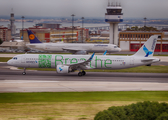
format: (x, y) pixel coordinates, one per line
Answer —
(84, 8)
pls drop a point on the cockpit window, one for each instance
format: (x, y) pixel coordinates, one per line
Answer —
(115, 46)
(15, 58)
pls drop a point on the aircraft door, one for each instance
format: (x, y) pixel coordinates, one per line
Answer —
(23, 59)
(131, 61)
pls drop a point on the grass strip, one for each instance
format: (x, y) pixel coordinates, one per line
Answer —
(83, 96)
(68, 105)
(5, 59)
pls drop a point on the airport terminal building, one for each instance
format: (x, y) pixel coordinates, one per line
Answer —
(133, 40)
(56, 34)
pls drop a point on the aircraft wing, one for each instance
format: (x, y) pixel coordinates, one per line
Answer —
(75, 50)
(82, 65)
(72, 49)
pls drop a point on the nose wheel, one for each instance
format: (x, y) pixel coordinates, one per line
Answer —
(24, 73)
(82, 73)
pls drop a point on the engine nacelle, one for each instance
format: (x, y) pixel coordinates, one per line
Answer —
(63, 69)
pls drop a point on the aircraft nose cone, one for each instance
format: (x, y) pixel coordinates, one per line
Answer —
(9, 62)
(119, 49)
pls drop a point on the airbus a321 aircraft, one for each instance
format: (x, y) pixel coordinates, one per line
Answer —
(70, 63)
(75, 48)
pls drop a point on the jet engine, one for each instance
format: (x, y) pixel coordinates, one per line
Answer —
(63, 69)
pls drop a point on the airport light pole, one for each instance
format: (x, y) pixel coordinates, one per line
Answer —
(145, 23)
(82, 28)
(72, 24)
(22, 26)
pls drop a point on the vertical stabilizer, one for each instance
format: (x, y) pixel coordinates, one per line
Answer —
(32, 37)
(148, 48)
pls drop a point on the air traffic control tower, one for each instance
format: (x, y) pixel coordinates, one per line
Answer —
(113, 17)
(12, 26)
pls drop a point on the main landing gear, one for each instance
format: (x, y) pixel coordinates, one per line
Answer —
(24, 73)
(82, 73)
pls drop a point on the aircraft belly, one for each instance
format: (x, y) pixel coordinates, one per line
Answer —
(22, 65)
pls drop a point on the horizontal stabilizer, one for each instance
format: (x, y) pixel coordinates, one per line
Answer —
(147, 60)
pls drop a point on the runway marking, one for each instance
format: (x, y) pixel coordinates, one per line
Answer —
(26, 81)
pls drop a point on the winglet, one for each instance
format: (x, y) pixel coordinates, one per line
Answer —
(105, 52)
(32, 37)
(92, 56)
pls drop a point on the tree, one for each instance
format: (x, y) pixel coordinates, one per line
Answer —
(140, 111)
(163, 116)
(145, 28)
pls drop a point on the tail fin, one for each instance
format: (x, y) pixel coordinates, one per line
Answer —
(32, 37)
(148, 48)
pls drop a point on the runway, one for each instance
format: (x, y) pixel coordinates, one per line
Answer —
(50, 81)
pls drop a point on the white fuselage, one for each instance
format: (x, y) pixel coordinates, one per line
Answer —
(98, 61)
(62, 47)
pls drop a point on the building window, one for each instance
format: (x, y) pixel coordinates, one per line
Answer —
(134, 36)
(125, 35)
(121, 35)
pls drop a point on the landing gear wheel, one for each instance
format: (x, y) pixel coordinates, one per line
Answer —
(80, 74)
(23, 73)
(83, 73)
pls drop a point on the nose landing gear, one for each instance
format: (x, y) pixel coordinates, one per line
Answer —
(24, 73)
(82, 73)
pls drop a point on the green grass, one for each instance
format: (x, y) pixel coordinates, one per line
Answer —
(140, 69)
(10, 53)
(83, 96)
(68, 105)
(4, 59)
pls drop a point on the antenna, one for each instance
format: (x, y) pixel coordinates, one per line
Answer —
(108, 2)
(119, 4)
(112, 4)
(12, 10)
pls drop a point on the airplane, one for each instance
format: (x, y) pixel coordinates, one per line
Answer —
(70, 63)
(74, 48)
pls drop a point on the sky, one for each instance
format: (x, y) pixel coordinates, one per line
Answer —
(83, 8)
